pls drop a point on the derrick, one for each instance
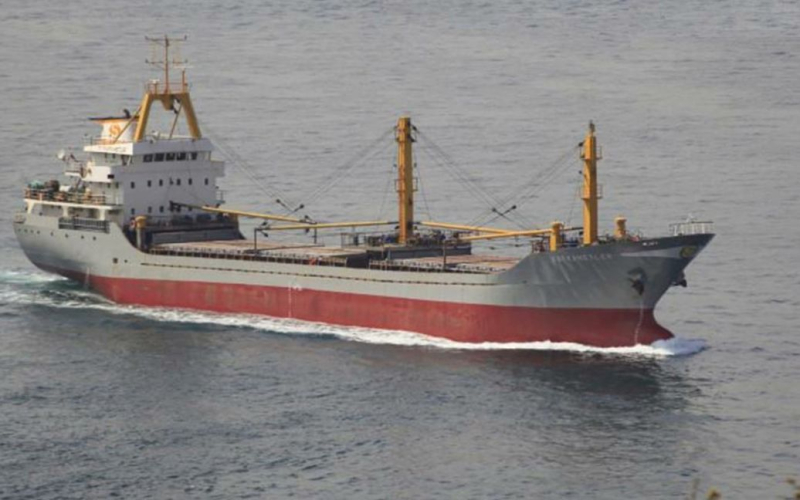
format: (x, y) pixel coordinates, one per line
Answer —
(457, 233)
(238, 213)
(299, 224)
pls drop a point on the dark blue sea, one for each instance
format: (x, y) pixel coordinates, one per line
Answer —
(697, 107)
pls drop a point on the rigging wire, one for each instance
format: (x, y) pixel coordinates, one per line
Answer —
(326, 185)
(422, 192)
(578, 181)
(389, 183)
(242, 165)
(497, 215)
(520, 195)
(440, 158)
(549, 176)
(344, 169)
(377, 152)
(527, 191)
(540, 178)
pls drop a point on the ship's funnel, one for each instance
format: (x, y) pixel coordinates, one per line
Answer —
(117, 129)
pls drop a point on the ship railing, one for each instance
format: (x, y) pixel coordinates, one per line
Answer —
(159, 87)
(428, 267)
(69, 197)
(182, 221)
(92, 140)
(83, 224)
(691, 227)
(250, 255)
(358, 238)
(355, 238)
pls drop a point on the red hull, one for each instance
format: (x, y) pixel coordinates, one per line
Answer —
(454, 321)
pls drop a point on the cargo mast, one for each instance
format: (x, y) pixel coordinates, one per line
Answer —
(405, 180)
(589, 194)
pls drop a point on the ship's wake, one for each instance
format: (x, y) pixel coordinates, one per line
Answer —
(19, 288)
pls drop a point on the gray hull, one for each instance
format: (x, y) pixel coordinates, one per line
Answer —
(600, 295)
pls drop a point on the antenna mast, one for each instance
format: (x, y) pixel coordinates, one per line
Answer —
(163, 44)
(165, 92)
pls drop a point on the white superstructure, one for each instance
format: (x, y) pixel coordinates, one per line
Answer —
(130, 172)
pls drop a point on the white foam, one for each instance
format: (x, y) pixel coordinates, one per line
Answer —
(84, 299)
(24, 277)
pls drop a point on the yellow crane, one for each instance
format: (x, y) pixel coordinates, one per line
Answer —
(405, 198)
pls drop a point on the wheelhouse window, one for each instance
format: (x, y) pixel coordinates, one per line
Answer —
(159, 156)
(147, 158)
(170, 156)
(194, 156)
(181, 156)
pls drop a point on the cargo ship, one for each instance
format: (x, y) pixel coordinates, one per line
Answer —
(140, 220)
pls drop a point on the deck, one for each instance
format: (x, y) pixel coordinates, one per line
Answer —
(317, 254)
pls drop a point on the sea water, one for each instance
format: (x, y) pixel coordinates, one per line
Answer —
(697, 111)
